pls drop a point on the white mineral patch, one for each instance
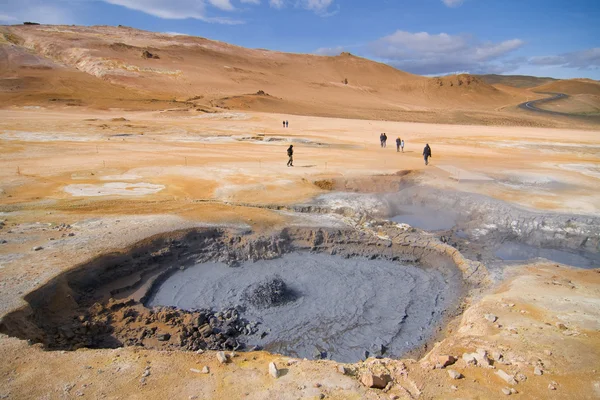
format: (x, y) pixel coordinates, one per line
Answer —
(113, 189)
(47, 136)
(123, 177)
(592, 170)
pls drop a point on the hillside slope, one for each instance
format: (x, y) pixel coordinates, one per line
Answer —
(155, 65)
(517, 81)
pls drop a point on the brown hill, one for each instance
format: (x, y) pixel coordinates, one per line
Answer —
(571, 87)
(517, 81)
(102, 64)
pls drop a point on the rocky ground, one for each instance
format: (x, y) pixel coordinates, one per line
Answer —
(526, 329)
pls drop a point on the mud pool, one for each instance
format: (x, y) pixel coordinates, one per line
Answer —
(512, 251)
(340, 308)
(426, 218)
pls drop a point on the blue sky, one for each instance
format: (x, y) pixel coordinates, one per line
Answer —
(558, 38)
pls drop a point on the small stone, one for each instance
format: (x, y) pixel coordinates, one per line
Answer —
(547, 352)
(163, 337)
(146, 373)
(192, 397)
(551, 387)
(538, 371)
(317, 385)
(342, 370)
(491, 317)
(455, 374)
(561, 326)
(292, 362)
(321, 396)
(454, 387)
(445, 361)
(38, 248)
(375, 381)
(394, 397)
(273, 371)
(470, 358)
(71, 234)
(506, 377)
(513, 391)
(521, 378)
(506, 391)
(205, 370)
(197, 371)
(221, 357)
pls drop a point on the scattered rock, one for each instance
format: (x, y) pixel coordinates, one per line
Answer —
(551, 387)
(455, 374)
(470, 358)
(146, 373)
(197, 371)
(491, 317)
(520, 378)
(506, 391)
(342, 370)
(454, 387)
(445, 361)
(506, 377)
(561, 326)
(375, 381)
(317, 385)
(205, 370)
(222, 357)
(38, 248)
(547, 352)
(163, 337)
(538, 371)
(273, 371)
(147, 54)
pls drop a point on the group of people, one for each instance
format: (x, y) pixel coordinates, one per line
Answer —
(286, 124)
(400, 146)
(382, 139)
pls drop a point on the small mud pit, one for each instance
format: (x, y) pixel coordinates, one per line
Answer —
(318, 305)
(426, 218)
(513, 251)
(314, 293)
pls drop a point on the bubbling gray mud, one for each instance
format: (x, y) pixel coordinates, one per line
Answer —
(341, 308)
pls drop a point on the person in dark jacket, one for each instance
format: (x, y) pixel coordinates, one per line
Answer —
(398, 142)
(384, 139)
(284, 124)
(381, 139)
(427, 153)
(290, 153)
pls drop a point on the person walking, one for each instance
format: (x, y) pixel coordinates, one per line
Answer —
(402, 145)
(381, 139)
(287, 124)
(398, 143)
(384, 139)
(284, 124)
(290, 153)
(427, 153)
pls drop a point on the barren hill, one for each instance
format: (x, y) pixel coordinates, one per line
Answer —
(518, 81)
(121, 67)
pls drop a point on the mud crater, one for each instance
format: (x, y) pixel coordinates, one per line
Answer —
(316, 293)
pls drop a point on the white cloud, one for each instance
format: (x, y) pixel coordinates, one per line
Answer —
(453, 3)
(583, 59)
(179, 9)
(222, 4)
(250, 1)
(276, 3)
(44, 12)
(426, 53)
(317, 5)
